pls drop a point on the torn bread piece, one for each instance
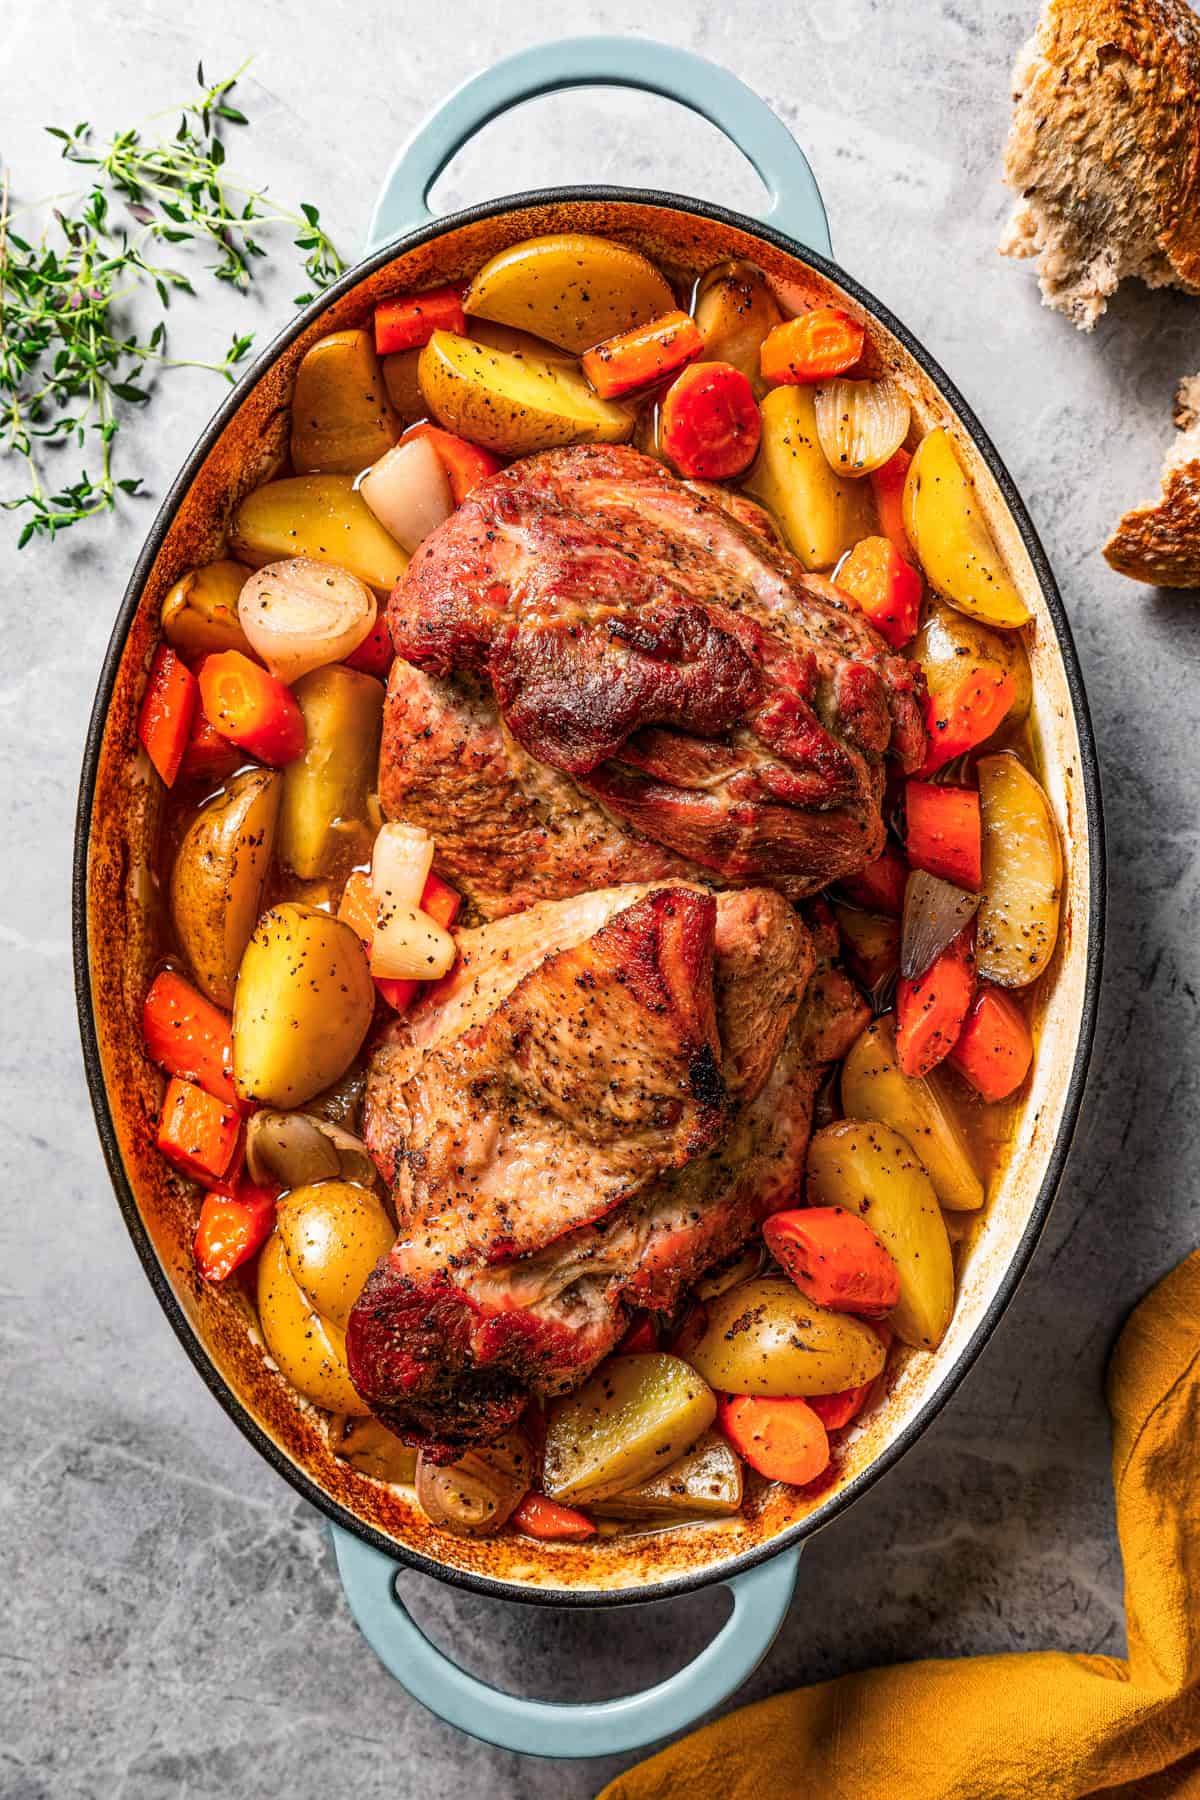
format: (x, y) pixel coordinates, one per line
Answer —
(1105, 151)
(1161, 544)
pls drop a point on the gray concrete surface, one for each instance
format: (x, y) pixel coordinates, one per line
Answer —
(171, 1622)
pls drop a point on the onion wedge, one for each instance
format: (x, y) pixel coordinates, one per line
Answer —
(860, 423)
(408, 491)
(935, 911)
(300, 614)
(407, 945)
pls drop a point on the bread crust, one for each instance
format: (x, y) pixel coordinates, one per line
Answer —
(1161, 544)
(1105, 150)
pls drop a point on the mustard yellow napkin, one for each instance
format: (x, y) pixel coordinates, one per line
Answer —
(1040, 1726)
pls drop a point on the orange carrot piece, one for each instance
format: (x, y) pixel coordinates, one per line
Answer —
(251, 707)
(208, 756)
(633, 359)
(539, 1517)
(167, 711)
(880, 886)
(813, 347)
(885, 588)
(236, 1219)
(944, 832)
(466, 465)
(357, 909)
(870, 945)
(409, 321)
(965, 713)
(375, 654)
(188, 1036)
(930, 1010)
(835, 1258)
(709, 424)
(887, 484)
(197, 1132)
(783, 1439)
(995, 1047)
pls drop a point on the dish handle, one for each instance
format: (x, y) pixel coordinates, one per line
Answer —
(761, 1597)
(794, 206)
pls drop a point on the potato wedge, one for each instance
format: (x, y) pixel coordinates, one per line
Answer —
(319, 516)
(820, 514)
(218, 875)
(372, 1449)
(571, 289)
(518, 343)
(323, 827)
(869, 1169)
(332, 1234)
(1016, 927)
(404, 390)
(873, 1087)
(342, 417)
(637, 1415)
(766, 1337)
(706, 1483)
(199, 614)
(514, 404)
(946, 526)
(734, 310)
(951, 645)
(302, 1006)
(309, 1351)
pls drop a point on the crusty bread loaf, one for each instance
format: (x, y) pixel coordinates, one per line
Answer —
(1105, 150)
(1161, 544)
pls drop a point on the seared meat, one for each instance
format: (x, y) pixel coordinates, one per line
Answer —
(658, 649)
(597, 1104)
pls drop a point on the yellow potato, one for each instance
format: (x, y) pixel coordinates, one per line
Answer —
(820, 514)
(218, 875)
(342, 418)
(766, 1337)
(869, 1169)
(1016, 926)
(734, 311)
(308, 1350)
(319, 516)
(332, 1234)
(571, 289)
(517, 343)
(705, 1483)
(950, 645)
(946, 526)
(635, 1416)
(873, 1087)
(303, 1004)
(404, 390)
(199, 614)
(514, 404)
(372, 1449)
(323, 826)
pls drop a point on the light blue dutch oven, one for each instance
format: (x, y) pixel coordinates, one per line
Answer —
(375, 1529)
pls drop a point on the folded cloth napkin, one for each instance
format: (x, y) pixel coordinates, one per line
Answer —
(1038, 1726)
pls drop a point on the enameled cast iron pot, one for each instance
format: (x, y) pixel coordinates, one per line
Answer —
(116, 904)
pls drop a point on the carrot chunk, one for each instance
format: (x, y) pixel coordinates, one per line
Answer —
(930, 1010)
(375, 654)
(539, 1517)
(995, 1047)
(197, 1132)
(647, 353)
(783, 1439)
(251, 707)
(880, 886)
(167, 711)
(944, 832)
(209, 756)
(887, 485)
(964, 713)
(408, 323)
(466, 465)
(236, 1219)
(709, 424)
(188, 1036)
(813, 347)
(835, 1258)
(885, 588)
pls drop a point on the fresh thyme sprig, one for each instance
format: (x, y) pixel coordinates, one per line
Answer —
(71, 355)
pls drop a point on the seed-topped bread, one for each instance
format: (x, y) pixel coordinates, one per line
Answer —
(1161, 544)
(1105, 151)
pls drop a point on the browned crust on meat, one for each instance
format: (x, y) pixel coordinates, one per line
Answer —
(1160, 544)
(1105, 150)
